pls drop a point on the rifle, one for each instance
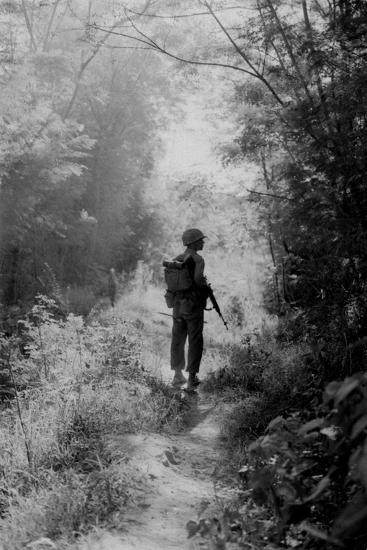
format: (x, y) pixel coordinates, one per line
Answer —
(208, 288)
(215, 304)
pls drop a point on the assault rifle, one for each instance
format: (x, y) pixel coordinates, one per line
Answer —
(208, 289)
(215, 304)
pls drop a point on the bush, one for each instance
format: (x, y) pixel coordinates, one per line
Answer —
(75, 386)
(67, 507)
(277, 373)
(309, 470)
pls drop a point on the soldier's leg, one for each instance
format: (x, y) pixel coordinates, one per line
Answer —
(179, 335)
(195, 326)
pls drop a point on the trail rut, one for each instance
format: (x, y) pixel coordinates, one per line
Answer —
(180, 471)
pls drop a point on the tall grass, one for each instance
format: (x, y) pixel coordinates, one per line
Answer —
(76, 386)
(261, 378)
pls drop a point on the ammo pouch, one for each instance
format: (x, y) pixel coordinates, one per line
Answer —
(186, 306)
(170, 298)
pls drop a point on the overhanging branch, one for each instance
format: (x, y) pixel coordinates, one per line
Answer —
(279, 197)
(154, 46)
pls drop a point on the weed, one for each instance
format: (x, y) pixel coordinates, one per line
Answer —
(168, 405)
(76, 386)
(67, 507)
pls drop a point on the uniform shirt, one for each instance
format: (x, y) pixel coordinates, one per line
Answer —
(199, 265)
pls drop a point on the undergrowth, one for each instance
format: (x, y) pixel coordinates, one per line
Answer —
(67, 388)
(299, 448)
(261, 380)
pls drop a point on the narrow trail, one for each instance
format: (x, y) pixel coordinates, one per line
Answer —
(180, 472)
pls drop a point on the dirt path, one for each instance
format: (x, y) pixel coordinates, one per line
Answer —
(179, 470)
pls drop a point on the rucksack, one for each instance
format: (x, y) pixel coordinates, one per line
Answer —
(177, 276)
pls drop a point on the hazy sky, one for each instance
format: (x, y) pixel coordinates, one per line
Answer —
(188, 142)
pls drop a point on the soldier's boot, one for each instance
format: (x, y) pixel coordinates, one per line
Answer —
(193, 381)
(178, 379)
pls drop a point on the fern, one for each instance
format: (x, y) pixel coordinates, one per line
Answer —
(52, 285)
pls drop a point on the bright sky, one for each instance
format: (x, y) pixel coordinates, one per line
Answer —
(188, 143)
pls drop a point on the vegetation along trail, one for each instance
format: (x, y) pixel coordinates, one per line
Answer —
(182, 483)
(126, 128)
(182, 469)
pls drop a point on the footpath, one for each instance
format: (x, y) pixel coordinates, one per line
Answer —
(181, 485)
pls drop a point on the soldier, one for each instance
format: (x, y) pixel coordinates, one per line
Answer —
(112, 286)
(188, 312)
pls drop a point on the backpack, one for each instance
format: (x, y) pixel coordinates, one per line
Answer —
(178, 279)
(177, 276)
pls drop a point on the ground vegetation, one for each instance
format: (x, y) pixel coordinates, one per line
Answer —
(65, 397)
(301, 119)
(297, 397)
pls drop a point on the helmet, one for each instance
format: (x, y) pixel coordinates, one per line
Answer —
(191, 236)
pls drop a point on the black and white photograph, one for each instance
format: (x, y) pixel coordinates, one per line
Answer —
(183, 274)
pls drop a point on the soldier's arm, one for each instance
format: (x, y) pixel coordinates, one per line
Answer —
(199, 277)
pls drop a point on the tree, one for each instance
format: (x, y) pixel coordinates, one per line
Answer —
(74, 156)
(305, 123)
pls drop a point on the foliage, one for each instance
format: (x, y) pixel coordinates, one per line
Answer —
(70, 387)
(309, 141)
(299, 450)
(259, 365)
(300, 74)
(310, 469)
(78, 120)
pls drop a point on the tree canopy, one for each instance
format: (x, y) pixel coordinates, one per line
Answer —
(298, 92)
(79, 116)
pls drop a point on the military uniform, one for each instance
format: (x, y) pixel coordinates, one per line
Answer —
(188, 315)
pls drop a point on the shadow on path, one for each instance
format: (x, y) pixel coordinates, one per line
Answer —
(197, 410)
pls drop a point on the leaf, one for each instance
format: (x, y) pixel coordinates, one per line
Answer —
(359, 426)
(362, 466)
(275, 423)
(292, 542)
(348, 386)
(331, 390)
(254, 447)
(311, 425)
(320, 488)
(318, 534)
(331, 432)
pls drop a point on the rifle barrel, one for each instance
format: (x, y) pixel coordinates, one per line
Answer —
(216, 305)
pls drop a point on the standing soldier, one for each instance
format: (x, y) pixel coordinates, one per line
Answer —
(188, 311)
(112, 286)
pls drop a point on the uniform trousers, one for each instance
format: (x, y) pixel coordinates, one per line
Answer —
(187, 326)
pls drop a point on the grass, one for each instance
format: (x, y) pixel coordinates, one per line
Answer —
(77, 386)
(261, 378)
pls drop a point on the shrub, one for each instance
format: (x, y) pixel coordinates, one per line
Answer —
(310, 469)
(67, 507)
(276, 372)
(74, 386)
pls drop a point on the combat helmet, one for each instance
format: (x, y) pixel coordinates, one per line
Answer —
(191, 236)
